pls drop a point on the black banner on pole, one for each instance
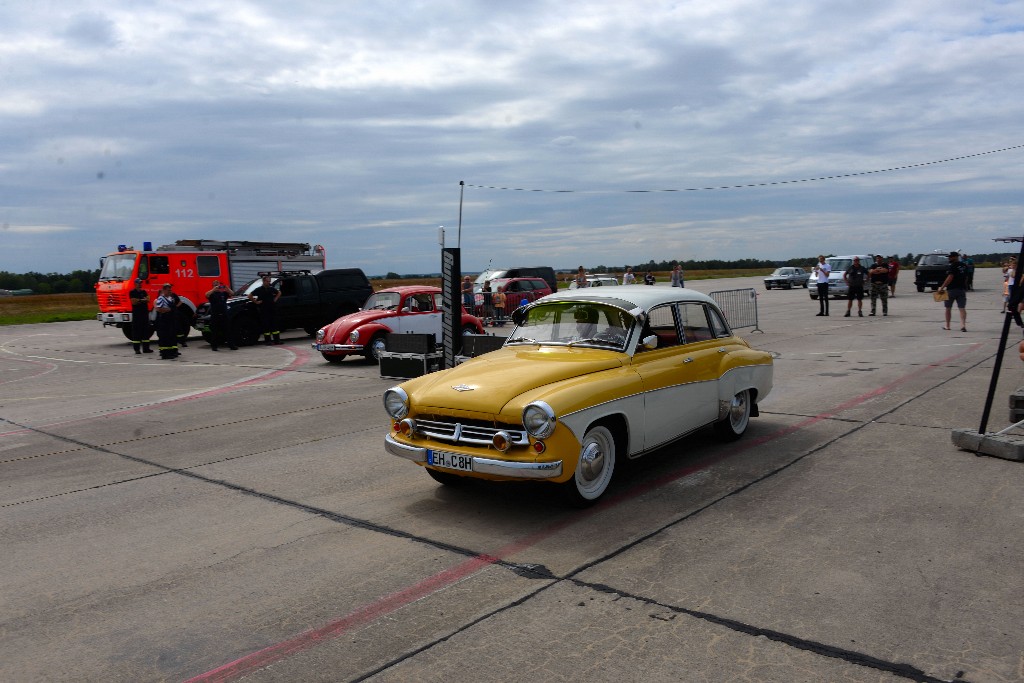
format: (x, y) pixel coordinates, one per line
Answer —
(451, 293)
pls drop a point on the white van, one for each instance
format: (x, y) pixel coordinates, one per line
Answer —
(837, 288)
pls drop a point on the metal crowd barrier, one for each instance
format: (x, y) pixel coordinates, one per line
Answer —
(739, 307)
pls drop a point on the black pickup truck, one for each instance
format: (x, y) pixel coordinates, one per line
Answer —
(308, 302)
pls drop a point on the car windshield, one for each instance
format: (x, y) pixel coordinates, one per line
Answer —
(382, 301)
(118, 267)
(839, 265)
(576, 324)
(782, 271)
(934, 260)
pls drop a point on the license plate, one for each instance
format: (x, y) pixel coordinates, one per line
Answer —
(451, 461)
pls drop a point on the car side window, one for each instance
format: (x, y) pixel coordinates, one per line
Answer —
(423, 303)
(662, 322)
(718, 324)
(694, 322)
(438, 301)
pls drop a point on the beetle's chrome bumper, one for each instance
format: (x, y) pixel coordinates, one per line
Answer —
(338, 347)
(502, 468)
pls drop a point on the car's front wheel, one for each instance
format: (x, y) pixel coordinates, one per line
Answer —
(732, 426)
(594, 469)
(374, 348)
(332, 357)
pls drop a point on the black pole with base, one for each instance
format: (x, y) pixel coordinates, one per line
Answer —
(1012, 314)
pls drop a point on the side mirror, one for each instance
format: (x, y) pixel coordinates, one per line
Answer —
(650, 342)
(519, 315)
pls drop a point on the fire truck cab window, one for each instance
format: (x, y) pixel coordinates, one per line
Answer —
(208, 266)
(159, 265)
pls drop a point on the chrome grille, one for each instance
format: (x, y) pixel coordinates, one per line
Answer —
(457, 432)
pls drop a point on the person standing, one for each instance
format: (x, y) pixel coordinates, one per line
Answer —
(879, 274)
(955, 286)
(854, 278)
(677, 276)
(628, 278)
(822, 271)
(166, 324)
(265, 296)
(581, 278)
(894, 272)
(649, 278)
(220, 325)
(499, 300)
(467, 294)
(969, 262)
(182, 318)
(141, 329)
(487, 311)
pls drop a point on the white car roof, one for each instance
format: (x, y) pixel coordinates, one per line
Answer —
(643, 296)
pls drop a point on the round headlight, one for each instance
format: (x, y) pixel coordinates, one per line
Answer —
(396, 403)
(539, 419)
(353, 336)
(320, 334)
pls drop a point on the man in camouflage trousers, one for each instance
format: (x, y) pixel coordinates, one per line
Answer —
(879, 274)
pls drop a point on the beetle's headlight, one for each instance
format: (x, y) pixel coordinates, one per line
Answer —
(396, 403)
(353, 336)
(320, 334)
(539, 419)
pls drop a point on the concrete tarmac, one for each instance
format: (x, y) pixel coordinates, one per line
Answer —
(233, 515)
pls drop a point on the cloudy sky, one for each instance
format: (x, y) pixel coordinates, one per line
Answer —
(352, 124)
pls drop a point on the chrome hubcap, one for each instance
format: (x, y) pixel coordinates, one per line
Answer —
(591, 462)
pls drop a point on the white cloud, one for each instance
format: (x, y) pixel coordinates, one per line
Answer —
(353, 124)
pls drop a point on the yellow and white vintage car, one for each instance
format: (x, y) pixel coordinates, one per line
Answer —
(587, 378)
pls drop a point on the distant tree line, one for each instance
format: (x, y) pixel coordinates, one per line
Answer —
(83, 280)
(718, 264)
(50, 283)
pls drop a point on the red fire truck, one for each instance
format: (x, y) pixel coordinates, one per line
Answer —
(191, 266)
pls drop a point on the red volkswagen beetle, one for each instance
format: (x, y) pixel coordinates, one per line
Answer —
(415, 308)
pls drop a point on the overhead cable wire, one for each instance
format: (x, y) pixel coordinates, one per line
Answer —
(761, 184)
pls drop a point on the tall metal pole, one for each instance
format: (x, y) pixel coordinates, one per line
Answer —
(462, 190)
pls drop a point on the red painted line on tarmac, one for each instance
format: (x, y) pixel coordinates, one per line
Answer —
(399, 599)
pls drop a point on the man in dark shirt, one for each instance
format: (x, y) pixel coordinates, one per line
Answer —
(220, 326)
(265, 296)
(854, 278)
(879, 273)
(955, 286)
(141, 330)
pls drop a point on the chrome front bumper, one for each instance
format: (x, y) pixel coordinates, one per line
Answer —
(502, 468)
(114, 318)
(338, 347)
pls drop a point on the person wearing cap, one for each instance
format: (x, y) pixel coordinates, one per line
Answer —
(955, 286)
(854, 278)
(182, 318)
(879, 273)
(220, 324)
(141, 329)
(166, 324)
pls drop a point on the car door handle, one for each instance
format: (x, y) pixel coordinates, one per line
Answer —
(722, 349)
(688, 360)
